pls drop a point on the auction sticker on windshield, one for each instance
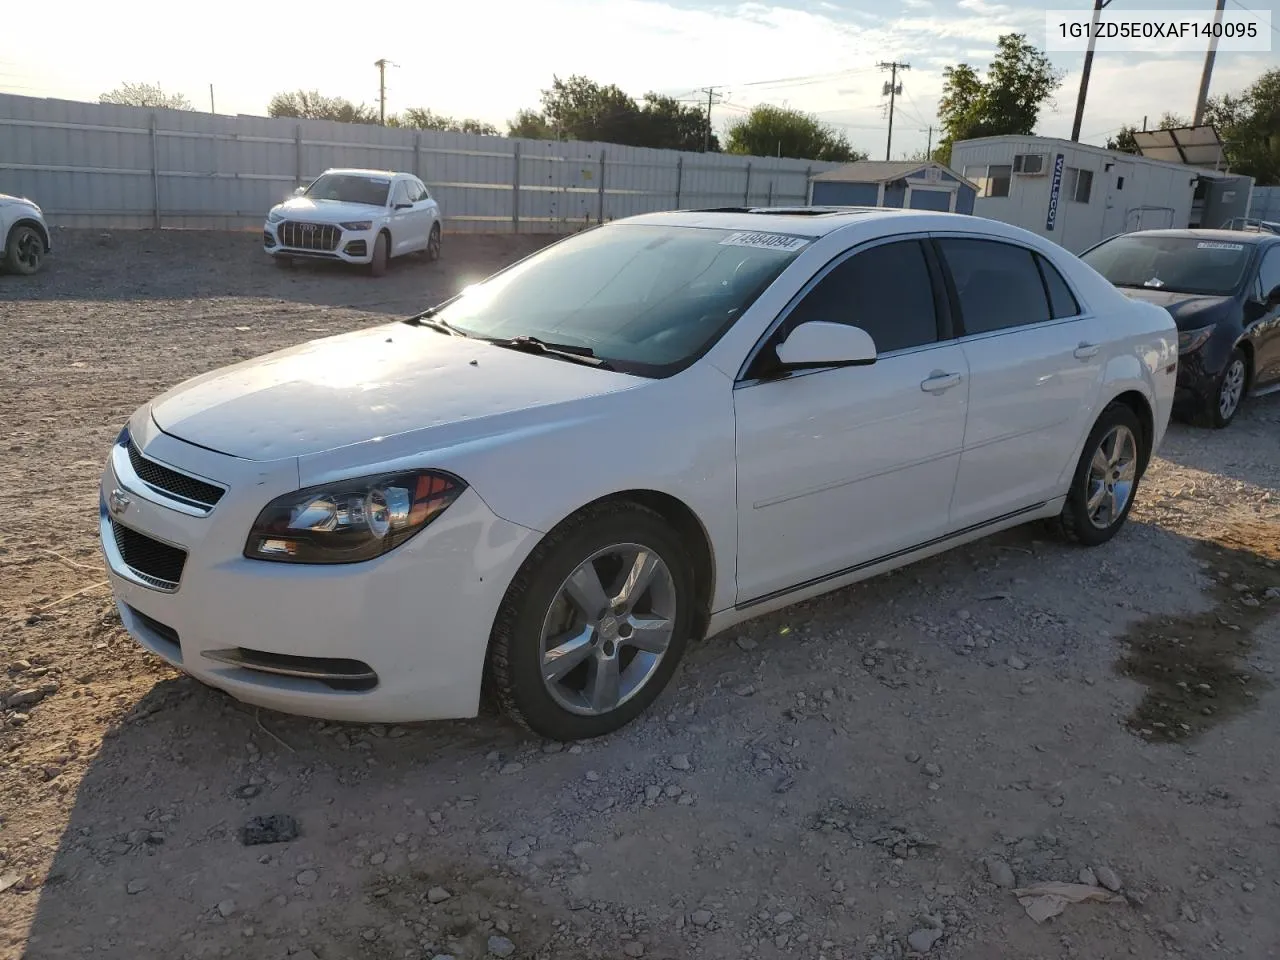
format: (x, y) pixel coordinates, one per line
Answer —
(1218, 245)
(764, 241)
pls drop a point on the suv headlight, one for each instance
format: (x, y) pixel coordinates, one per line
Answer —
(1191, 340)
(351, 520)
(274, 215)
(357, 225)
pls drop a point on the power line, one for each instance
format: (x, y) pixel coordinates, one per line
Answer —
(1274, 28)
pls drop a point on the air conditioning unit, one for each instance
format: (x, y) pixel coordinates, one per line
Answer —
(1030, 164)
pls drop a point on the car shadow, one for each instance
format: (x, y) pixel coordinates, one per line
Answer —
(186, 265)
(1221, 452)
(150, 862)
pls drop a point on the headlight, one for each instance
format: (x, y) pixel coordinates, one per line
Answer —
(351, 520)
(357, 225)
(274, 215)
(1191, 340)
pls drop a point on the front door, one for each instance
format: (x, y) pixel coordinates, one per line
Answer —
(1265, 330)
(839, 467)
(1119, 187)
(1035, 368)
(405, 223)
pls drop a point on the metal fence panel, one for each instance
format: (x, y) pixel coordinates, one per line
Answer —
(101, 165)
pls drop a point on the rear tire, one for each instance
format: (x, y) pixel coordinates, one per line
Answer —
(1221, 406)
(569, 673)
(1106, 479)
(24, 250)
(378, 265)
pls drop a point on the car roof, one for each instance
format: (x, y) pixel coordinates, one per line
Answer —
(1229, 236)
(361, 172)
(799, 221)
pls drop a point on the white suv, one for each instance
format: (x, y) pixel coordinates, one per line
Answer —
(356, 216)
(24, 234)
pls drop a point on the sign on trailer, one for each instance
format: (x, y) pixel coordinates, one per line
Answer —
(1053, 193)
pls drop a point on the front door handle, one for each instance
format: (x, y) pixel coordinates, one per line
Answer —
(938, 382)
(1086, 351)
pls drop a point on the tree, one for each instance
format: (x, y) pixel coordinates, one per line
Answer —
(1249, 124)
(769, 131)
(1019, 81)
(313, 105)
(145, 95)
(1171, 121)
(1124, 141)
(422, 118)
(581, 109)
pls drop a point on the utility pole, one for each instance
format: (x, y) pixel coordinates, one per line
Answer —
(382, 89)
(892, 88)
(928, 150)
(1098, 7)
(1202, 98)
(211, 109)
(712, 99)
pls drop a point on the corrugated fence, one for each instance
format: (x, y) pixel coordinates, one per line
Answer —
(1265, 203)
(95, 165)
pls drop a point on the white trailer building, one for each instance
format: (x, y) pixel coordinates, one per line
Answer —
(1077, 195)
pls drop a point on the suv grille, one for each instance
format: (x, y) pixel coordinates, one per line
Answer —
(308, 236)
(173, 483)
(157, 563)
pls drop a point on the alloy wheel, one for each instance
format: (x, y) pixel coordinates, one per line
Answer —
(1232, 389)
(1113, 472)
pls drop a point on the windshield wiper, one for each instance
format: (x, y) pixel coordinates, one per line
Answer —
(423, 319)
(564, 351)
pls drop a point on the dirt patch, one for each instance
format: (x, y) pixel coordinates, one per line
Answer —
(1195, 667)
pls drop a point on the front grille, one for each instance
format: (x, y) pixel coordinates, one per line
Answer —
(173, 483)
(157, 563)
(356, 248)
(337, 673)
(162, 630)
(308, 236)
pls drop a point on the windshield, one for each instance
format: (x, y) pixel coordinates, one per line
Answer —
(648, 299)
(350, 188)
(1176, 264)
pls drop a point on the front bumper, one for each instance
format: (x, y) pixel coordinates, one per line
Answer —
(1197, 381)
(353, 246)
(280, 635)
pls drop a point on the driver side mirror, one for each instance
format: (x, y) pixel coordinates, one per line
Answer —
(819, 343)
(1273, 298)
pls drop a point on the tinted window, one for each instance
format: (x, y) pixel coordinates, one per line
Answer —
(1269, 272)
(350, 188)
(885, 290)
(1062, 302)
(1177, 264)
(997, 283)
(647, 298)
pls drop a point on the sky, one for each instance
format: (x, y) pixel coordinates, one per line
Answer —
(489, 58)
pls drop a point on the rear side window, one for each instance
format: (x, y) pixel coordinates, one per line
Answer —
(1062, 302)
(886, 290)
(997, 284)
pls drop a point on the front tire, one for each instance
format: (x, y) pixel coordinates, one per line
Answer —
(1221, 406)
(1106, 479)
(24, 250)
(594, 624)
(433, 244)
(378, 265)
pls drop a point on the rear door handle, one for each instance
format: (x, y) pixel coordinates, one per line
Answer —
(1086, 350)
(939, 382)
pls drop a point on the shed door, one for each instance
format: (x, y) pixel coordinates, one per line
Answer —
(1120, 189)
(929, 198)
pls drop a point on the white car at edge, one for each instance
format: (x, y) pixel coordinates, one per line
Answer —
(355, 216)
(24, 233)
(642, 435)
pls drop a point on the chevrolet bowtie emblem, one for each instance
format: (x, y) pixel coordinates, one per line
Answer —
(118, 502)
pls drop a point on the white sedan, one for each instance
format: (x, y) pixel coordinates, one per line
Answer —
(355, 216)
(640, 436)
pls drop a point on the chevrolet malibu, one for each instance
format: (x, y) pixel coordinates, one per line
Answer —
(640, 436)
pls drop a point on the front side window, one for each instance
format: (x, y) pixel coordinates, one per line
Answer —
(1269, 271)
(649, 299)
(997, 284)
(1173, 263)
(350, 188)
(886, 290)
(400, 194)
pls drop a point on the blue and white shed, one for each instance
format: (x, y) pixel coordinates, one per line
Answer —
(909, 184)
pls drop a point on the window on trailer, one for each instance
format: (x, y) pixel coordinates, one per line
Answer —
(1079, 184)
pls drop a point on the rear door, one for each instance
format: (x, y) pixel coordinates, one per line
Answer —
(1035, 366)
(840, 467)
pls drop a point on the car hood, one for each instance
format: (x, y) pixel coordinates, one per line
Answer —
(371, 384)
(1189, 310)
(328, 211)
(7, 199)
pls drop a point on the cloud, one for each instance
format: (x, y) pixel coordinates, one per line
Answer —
(983, 8)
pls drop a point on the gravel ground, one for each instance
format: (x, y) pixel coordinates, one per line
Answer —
(870, 775)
